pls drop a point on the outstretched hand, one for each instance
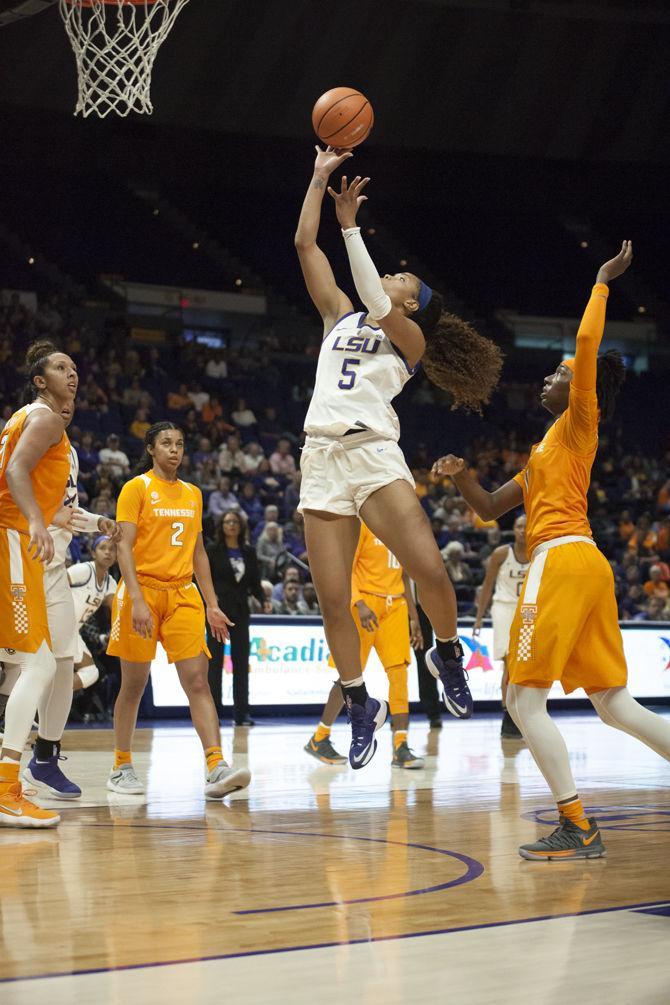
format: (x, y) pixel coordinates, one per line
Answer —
(616, 266)
(449, 465)
(329, 159)
(349, 200)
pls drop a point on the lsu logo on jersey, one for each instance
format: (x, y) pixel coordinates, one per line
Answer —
(368, 344)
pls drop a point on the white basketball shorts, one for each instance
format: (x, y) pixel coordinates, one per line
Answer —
(502, 616)
(339, 474)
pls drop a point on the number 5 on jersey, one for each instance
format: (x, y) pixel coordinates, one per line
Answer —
(348, 373)
(177, 531)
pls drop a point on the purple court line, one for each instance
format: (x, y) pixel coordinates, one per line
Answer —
(333, 945)
(473, 870)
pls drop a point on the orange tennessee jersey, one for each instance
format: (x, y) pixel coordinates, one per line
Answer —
(168, 516)
(556, 479)
(375, 569)
(49, 476)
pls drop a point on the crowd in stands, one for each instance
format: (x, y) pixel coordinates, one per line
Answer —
(241, 412)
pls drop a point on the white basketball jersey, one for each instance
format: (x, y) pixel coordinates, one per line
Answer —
(87, 593)
(358, 375)
(509, 581)
(61, 537)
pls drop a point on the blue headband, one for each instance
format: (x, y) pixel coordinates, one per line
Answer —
(99, 539)
(425, 294)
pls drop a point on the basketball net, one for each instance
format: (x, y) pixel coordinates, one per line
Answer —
(115, 43)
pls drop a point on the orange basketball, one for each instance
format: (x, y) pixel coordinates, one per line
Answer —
(342, 117)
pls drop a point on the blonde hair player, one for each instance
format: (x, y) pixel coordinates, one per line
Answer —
(387, 621)
(566, 625)
(352, 465)
(505, 572)
(34, 469)
(161, 549)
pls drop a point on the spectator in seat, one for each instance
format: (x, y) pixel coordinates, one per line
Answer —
(459, 571)
(179, 401)
(291, 575)
(290, 605)
(242, 415)
(656, 585)
(269, 547)
(222, 499)
(217, 368)
(653, 610)
(204, 451)
(251, 504)
(114, 459)
(231, 455)
(212, 410)
(282, 461)
(140, 424)
(198, 397)
(132, 394)
(254, 457)
(309, 603)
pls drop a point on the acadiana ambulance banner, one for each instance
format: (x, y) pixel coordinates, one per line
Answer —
(288, 665)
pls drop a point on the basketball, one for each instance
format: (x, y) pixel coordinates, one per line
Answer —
(342, 117)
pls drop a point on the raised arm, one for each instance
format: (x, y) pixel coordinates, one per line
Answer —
(487, 505)
(42, 430)
(592, 327)
(329, 300)
(496, 559)
(404, 333)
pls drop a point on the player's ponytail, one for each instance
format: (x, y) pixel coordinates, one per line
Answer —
(457, 358)
(37, 355)
(611, 374)
(146, 461)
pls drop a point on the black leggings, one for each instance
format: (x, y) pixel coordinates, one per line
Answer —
(239, 652)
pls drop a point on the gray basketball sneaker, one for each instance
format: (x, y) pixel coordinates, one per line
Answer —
(567, 842)
(223, 780)
(125, 780)
(403, 757)
(324, 751)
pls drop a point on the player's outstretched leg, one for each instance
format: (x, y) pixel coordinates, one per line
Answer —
(577, 836)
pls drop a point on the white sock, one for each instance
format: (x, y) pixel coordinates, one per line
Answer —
(528, 708)
(617, 707)
(356, 682)
(56, 702)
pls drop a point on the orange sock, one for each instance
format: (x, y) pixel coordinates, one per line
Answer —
(400, 736)
(122, 757)
(321, 732)
(213, 756)
(574, 811)
(9, 774)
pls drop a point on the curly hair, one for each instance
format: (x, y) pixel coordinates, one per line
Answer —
(37, 354)
(611, 374)
(457, 358)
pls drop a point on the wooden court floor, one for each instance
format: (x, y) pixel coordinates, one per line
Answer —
(320, 882)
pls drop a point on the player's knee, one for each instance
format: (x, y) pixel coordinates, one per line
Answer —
(398, 691)
(431, 575)
(334, 610)
(196, 685)
(41, 666)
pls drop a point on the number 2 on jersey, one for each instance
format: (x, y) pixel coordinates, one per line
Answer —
(346, 385)
(177, 531)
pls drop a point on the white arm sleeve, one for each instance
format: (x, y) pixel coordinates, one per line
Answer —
(87, 523)
(366, 278)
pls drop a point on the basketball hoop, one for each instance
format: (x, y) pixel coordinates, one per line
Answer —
(115, 43)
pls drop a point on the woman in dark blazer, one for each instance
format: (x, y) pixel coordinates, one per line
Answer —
(236, 576)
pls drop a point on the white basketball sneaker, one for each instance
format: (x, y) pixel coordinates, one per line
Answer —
(223, 780)
(125, 780)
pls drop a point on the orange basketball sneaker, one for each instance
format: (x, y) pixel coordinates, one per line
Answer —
(17, 811)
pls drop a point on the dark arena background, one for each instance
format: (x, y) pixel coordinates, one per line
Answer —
(516, 143)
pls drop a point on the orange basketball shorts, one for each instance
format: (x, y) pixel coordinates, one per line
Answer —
(178, 617)
(23, 609)
(390, 640)
(566, 624)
